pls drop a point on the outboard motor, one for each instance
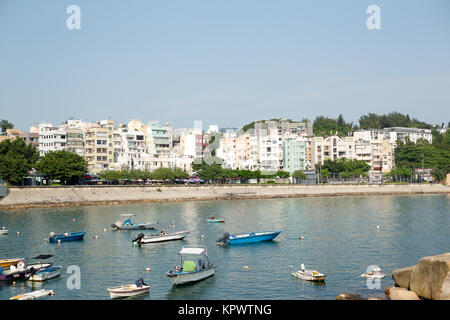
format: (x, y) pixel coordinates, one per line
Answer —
(224, 239)
(138, 238)
(117, 225)
(140, 282)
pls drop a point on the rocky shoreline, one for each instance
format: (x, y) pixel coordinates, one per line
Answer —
(45, 197)
(428, 280)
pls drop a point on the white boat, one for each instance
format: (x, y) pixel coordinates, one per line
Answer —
(45, 274)
(189, 271)
(374, 274)
(129, 290)
(309, 275)
(3, 231)
(142, 239)
(32, 295)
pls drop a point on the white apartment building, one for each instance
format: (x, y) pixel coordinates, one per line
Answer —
(129, 148)
(393, 134)
(51, 138)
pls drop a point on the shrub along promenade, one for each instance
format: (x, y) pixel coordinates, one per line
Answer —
(60, 196)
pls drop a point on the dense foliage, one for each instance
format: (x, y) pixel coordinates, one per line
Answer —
(16, 160)
(216, 172)
(157, 174)
(65, 166)
(393, 119)
(324, 126)
(5, 124)
(436, 157)
(345, 168)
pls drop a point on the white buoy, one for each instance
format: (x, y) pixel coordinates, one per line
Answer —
(96, 237)
(378, 227)
(245, 267)
(59, 241)
(104, 230)
(302, 238)
(202, 236)
(147, 269)
(17, 232)
(14, 283)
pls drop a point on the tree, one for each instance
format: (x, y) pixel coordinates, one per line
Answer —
(299, 175)
(5, 124)
(16, 160)
(65, 166)
(324, 126)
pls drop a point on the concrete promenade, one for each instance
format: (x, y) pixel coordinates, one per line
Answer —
(42, 197)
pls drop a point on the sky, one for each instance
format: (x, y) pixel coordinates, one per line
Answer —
(222, 62)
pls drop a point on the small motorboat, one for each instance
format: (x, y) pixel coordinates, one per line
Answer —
(6, 263)
(160, 237)
(45, 274)
(374, 274)
(3, 231)
(213, 219)
(187, 270)
(21, 269)
(243, 238)
(128, 224)
(129, 290)
(75, 236)
(307, 274)
(32, 295)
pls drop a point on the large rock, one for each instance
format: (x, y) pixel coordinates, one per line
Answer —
(397, 293)
(431, 277)
(348, 296)
(402, 276)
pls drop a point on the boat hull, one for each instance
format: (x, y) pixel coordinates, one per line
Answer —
(252, 237)
(168, 237)
(215, 220)
(3, 231)
(181, 278)
(144, 226)
(21, 273)
(71, 237)
(6, 263)
(46, 274)
(308, 277)
(32, 295)
(127, 291)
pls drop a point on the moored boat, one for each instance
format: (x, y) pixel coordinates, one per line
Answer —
(128, 224)
(6, 263)
(213, 220)
(187, 270)
(308, 274)
(21, 269)
(32, 295)
(160, 237)
(45, 274)
(3, 231)
(374, 274)
(129, 290)
(75, 236)
(230, 239)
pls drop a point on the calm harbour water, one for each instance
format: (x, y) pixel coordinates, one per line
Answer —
(341, 239)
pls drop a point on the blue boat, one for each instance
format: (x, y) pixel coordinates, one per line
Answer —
(66, 237)
(128, 224)
(250, 237)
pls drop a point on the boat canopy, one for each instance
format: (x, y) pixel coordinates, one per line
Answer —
(191, 250)
(127, 215)
(43, 256)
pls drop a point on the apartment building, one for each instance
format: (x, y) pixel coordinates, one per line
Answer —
(99, 146)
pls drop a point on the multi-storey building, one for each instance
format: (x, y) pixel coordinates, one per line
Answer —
(51, 138)
(294, 154)
(394, 134)
(99, 146)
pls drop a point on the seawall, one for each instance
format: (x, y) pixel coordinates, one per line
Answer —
(41, 197)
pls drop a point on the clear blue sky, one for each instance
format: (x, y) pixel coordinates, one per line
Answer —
(223, 62)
